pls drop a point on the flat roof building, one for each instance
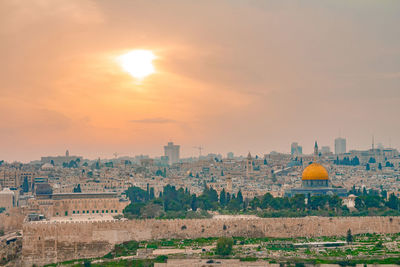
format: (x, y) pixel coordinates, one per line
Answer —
(7, 199)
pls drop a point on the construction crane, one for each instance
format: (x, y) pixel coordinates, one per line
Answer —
(200, 149)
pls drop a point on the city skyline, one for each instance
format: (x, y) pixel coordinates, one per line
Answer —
(199, 133)
(193, 152)
(286, 72)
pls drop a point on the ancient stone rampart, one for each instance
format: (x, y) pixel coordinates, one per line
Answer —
(48, 242)
(12, 219)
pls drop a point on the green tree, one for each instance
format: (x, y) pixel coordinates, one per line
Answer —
(298, 202)
(151, 193)
(254, 203)
(224, 246)
(359, 204)
(193, 203)
(77, 189)
(151, 210)
(266, 201)
(335, 202)
(393, 202)
(25, 185)
(349, 237)
(364, 193)
(213, 195)
(384, 193)
(309, 201)
(147, 196)
(240, 197)
(318, 202)
(109, 164)
(72, 164)
(222, 198)
(372, 201)
(136, 194)
(234, 205)
(134, 209)
(97, 165)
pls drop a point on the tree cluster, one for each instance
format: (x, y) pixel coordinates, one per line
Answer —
(173, 202)
(347, 161)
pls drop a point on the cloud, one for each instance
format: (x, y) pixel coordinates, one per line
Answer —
(391, 75)
(18, 14)
(156, 120)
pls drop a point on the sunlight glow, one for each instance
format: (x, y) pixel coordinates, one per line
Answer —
(138, 63)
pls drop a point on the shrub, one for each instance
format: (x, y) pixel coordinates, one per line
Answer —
(224, 246)
(161, 259)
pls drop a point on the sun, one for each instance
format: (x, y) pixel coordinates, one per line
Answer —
(138, 63)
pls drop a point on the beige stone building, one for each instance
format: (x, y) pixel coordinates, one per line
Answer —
(7, 199)
(77, 204)
(12, 178)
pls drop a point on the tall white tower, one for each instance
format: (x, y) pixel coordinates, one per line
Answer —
(340, 145)
(172, 152)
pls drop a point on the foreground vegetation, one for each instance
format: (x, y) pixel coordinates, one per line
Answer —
(357, 249)
(180, 203)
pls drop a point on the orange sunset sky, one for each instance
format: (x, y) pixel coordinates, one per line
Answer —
(229, 75)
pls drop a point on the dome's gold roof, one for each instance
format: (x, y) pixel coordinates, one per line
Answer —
(315, 171)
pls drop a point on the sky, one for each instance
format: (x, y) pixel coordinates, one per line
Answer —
(231, 75)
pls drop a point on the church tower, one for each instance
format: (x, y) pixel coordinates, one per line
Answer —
(229, 184)
(249, 165)
(315, 151)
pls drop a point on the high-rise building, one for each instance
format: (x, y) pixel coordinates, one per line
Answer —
(340, 145)
(325, 150)
(172, 152)
(296, 149)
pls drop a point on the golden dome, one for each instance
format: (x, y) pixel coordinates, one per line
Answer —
(315, 171)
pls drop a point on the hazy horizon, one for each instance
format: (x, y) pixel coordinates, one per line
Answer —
(229, 76)
(187, 152)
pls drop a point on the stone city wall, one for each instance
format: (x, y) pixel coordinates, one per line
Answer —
(49, 242)
(12, 219)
